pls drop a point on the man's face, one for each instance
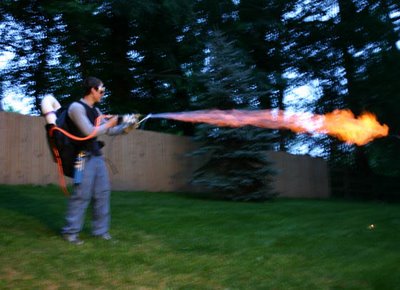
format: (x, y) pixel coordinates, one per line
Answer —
(99, 93)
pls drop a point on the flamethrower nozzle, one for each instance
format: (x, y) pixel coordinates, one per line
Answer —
(145, 118)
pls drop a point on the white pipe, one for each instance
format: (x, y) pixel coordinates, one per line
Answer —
(49, 106)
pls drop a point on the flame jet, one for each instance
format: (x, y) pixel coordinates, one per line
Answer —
(342, 124)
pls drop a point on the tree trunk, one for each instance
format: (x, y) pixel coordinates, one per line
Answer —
(392, 34)
(345, 41)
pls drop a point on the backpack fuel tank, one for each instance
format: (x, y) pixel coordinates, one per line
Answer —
(63, 148)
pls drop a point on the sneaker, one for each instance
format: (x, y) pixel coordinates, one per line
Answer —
(105, 237)
(73, 239)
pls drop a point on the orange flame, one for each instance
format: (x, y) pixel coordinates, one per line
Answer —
(360, 130)
(339, 123)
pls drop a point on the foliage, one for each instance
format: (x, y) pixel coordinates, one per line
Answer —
(237, 165)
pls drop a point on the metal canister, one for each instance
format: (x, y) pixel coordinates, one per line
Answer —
(78, 167)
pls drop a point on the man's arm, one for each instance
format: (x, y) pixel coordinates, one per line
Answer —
(77, 113)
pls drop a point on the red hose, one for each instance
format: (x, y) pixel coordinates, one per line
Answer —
(62, 182)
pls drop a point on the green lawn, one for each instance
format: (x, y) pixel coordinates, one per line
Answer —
(171, 241)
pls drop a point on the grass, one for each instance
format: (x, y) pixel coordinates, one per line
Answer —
(171, 241)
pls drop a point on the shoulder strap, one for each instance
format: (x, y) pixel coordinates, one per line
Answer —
(92, 113)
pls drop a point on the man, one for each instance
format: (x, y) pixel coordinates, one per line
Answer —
(94, 183)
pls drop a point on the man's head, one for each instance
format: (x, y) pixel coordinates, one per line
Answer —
(93, 89)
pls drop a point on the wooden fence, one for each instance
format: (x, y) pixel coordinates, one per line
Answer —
(140, 160)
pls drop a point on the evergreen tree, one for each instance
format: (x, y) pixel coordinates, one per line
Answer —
(237, 165)
(264, 34)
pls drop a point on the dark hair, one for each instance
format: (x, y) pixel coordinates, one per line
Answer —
(89, 83)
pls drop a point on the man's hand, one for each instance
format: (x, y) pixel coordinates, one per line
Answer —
(113, 121)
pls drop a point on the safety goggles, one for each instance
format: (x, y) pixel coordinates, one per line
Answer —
(101, 90)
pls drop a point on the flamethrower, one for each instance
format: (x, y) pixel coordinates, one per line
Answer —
(129, 121)
(342, 124)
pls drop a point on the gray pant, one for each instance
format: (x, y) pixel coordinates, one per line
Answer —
(95, 187)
